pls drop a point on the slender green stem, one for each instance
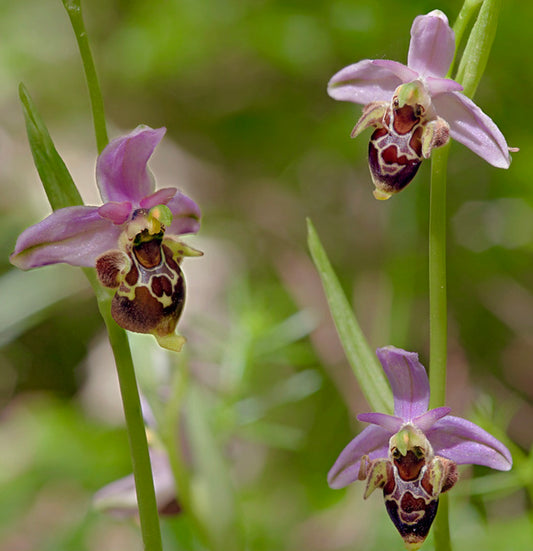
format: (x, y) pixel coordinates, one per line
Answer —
(437, 278)
(471, 68)
(142, 470)
(74, 12)
(438, 319)
(441, 528)
(469, 73)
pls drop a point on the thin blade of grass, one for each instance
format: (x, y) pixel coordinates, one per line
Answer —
(362, 359)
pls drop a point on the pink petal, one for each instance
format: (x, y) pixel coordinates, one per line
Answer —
(432, 44)
(75, 235)
(470, 126)
(373, 441)
(425, 421)
(365, 81)
(121, 170)
(438, 86)
(186, 215)
(117, 213)
(404, 73)
(388, 422)
(408, 380)
(466, 443)
(160, 197)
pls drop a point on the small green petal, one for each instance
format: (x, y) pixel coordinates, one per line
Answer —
(412, 93)
(162, 213)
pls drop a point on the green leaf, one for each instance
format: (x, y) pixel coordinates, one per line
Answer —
(362, 359)
(478, 46)
(57, 181)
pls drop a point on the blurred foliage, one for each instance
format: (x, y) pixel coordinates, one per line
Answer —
(240, 86)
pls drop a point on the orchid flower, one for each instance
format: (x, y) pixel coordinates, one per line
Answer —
(131, 239)
(412, 455)
(414, 108)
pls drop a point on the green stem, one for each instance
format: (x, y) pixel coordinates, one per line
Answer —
(140, 457)
(438, 322)
(469, 73)
(74, 12)
(438, 319)
(142, 470)
(441, 528)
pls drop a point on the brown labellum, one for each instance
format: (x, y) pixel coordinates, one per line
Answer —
(393, 160)
(407, 130)
(147, 276)
(151, 296)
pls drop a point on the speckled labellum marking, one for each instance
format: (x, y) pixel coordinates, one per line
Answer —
(151, 296)
(412, 483)
(145, 271)
(410, 499)
(407, 129)
(395, 150)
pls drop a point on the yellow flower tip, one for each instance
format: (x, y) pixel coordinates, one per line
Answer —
(413, 546)
(193, 252)
(381, 195)
(171, 342)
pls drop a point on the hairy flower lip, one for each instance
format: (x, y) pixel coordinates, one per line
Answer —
(78, 235)
(451, 437)
(430, 54)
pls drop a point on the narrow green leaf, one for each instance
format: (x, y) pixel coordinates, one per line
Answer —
(478, 46)
(362, 359)
(459, 28)
(55, 177)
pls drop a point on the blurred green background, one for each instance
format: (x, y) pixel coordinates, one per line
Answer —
(255, 140)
